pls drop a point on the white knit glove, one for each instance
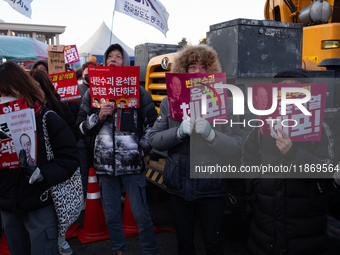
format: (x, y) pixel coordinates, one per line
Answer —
(203, 127)
(185, 128)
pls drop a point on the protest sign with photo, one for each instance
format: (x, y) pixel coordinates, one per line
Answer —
(71, 54)
(8, 155)
(16, 120)
(22, 128)
(8, 107)
(66, 86)
(185, 92)
(295, 123)
(118, 85)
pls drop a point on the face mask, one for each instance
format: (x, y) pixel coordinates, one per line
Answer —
(80, 82)
(7, 99)
(87, 78)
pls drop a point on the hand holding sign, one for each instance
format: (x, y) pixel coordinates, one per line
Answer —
(284, 143)
(185, 128)
(105, 110)
(203, 128)
(31, 172)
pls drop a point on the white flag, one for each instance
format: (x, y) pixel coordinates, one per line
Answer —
(22, 6)
(151, 12)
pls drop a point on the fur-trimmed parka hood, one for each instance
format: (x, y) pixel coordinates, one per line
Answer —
(190, 54)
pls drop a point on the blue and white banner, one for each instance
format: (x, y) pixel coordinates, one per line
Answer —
(22, 6)
(151, 12)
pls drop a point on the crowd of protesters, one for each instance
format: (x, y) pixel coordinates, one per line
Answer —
(289, 216)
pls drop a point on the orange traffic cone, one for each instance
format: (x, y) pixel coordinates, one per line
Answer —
(130, 225)
(71, 231)
(95, 228)
(4, 250)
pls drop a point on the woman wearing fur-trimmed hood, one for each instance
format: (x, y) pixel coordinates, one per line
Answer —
(189, 195)
(191, 54)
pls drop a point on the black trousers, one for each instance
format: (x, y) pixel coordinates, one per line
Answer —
(210, 211)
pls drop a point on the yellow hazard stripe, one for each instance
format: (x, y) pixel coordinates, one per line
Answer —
(153, 175)
(149, 173)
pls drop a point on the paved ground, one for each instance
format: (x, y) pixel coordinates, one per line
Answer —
(234, 232)
(234, 235)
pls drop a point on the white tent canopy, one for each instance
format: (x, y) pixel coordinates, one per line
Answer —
(100, 41)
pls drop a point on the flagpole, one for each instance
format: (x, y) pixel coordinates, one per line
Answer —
(113, 14)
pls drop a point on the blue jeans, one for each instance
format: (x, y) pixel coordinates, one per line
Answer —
(110, 187)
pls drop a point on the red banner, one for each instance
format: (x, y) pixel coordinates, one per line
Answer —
(66, 85)
(116, 84)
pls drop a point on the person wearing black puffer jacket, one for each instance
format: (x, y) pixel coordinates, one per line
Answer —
(29, 221)
(121, 141)
(289, 215)
(210, 146)
(52, 100)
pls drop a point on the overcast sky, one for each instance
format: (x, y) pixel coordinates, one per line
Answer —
(187, 18)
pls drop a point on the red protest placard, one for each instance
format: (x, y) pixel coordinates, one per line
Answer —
(71, 54)
(66, 85)
(116, 84)
(12, 106)
(22, 127)
(8, 148)
(8, 155)
(185, 95)
(294, 122)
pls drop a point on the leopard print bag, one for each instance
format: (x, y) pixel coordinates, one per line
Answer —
(67, 196)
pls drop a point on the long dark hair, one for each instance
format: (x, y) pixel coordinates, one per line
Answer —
(51, 95)
(15, 82)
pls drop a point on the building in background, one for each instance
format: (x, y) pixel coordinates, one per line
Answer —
(44, 33)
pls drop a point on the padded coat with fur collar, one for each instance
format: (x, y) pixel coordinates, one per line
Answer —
(194, 149)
